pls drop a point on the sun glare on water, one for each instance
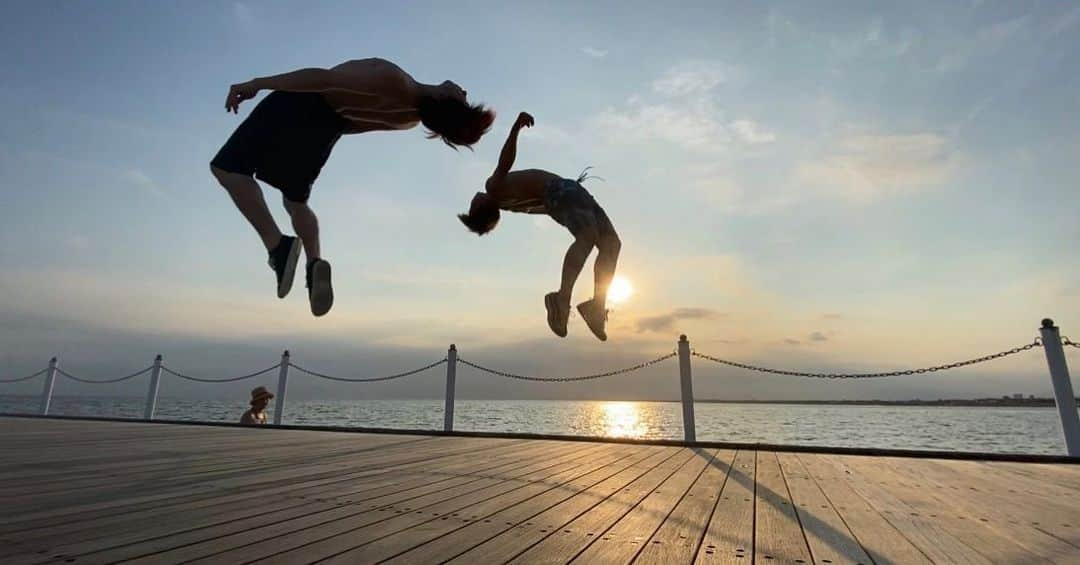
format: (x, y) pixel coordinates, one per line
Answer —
(622, 419)
(620, 290)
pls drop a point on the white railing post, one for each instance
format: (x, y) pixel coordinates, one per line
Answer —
(282, 382)
(451, 375)
(50, 380)
(151, 396)
(687, 382)
(1063, 391)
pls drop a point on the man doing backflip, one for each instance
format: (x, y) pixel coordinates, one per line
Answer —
(535, 191)
(289, 135)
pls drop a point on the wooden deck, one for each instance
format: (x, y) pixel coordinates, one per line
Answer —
(105, 492)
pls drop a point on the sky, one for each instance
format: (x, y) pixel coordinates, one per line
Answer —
(825, 186)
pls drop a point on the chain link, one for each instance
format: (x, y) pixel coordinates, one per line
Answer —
(567, 379)
(1069, 342)
(370, 379)
(225, 380)
(106, 381)
(26, 378)
(934, 369)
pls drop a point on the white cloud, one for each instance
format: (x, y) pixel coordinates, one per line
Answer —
(694, 124)
(752, 133)
(983, 43)
(691, 77)
(143, 181)
(594, 52)
(548, 133)
(691, 125)
(1066, 21)
(686, 116)
(864, 166)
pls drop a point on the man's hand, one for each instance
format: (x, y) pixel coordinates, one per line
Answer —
(509, 150)
(238, 93)
(524, 120)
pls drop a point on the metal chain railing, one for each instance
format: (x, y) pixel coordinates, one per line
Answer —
(567, 379)
(369, 379)
(1036, 343)
(26, 378)
(105, 381)
(934, 369)
(224, 380)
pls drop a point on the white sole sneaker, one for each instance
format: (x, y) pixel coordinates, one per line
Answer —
(321, 292)
(595, 320)
(290, 269)
(554, 313)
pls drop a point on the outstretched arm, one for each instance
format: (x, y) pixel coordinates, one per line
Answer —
(509, 150)
(382, 82)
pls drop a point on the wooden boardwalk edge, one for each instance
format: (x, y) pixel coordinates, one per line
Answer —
(91, 492)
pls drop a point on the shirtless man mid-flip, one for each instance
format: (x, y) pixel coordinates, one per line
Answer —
(534, 191)
(289, 135)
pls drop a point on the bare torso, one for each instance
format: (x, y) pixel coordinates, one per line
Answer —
(522, 191)
(368, 112)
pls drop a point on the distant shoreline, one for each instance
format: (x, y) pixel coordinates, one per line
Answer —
(946, 402)
(976, 402)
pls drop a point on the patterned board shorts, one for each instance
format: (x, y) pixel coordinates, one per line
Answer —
(573, 207)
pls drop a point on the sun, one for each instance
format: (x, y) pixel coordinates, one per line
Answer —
(620, 290)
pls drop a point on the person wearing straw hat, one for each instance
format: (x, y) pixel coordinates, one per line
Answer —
(260, 399)
(535, 191)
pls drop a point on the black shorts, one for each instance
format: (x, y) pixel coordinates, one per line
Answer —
(284, 142)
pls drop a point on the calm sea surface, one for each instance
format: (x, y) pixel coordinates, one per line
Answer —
(1001, 430)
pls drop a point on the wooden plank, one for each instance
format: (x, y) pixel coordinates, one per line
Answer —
(1030, 522)
(778, 535)
(275, 536)
(679, 536)
(926, 532)
(213, 538)
(398, 542)
(729, 537)
(993, 479)
(344, 536)
(1067, 476)
(627, 537)
(827, 535)
(260, 482)
(95, 492)
(918, 498)
(520, 533)
(589, 486)
(118, 544)
(363, 488)
(562, 545)
(879, 538)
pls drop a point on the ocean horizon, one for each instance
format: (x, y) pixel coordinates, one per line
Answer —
(991, 429)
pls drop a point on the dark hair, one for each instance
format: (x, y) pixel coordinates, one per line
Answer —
(455, 121)
(482, 217)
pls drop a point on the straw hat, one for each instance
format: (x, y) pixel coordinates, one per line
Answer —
(259, 393)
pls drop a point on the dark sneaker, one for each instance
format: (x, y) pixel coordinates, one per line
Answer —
(283, 262)
(320, 292)
(556, 313)
(595, 317)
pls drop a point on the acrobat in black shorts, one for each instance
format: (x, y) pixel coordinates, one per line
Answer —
(284, 142)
